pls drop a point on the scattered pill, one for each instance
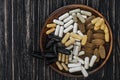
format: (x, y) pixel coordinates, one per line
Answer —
(61, 31)
(74, 17)
(92, 61)
(74, 11)
(58, 22)
(84, 40)
(59, 65)
(75, 50)
(102, 51)
(107, 37)
(59, 56)
(75, 69)
(84, 16)
(68, 29)
(52, 25)
(80, 33)
(77, 43)
(87, 13)
(63, 57)
(95, 20)
(63, 16)
(57, 30)
(50, 31)
(66, 59)
(68, 23)
(80, 18)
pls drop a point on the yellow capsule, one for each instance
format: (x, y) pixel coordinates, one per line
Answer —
(64, 66)
(66, 59)
(96, 28)
(107, 37)
(50, 31)
(102, 27)
(65, 38)
(69, 42)
(63, 57)
(84, 40)
(95, 20)
(99, 22)
(106, 29)
(59, 65)
(76, 36)
(59, 56)
(52, 25)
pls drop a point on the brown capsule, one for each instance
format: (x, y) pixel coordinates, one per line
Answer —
(98, 31)
(89, 45)
(96, 52)
(88, 51)
(99, 36)
(89, 26)
(88, 20)
(102, 51)
(89, 35)
(98, 41)
(81, 26)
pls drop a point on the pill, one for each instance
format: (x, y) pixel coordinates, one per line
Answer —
(58, 22)
(81, 27)
(63, 57)
(68, 29)
(77, 43)
(61, 31)
(64, 66)
(74, 17)
(80, 18)
(66, 59)
(80, 33)
(50, 31)
(86, 63)
(69, 47)
(67, 19)
(73, 61)
(75, 50)
(70, 57)
(75, 28)
(81, 53)
(84, 72)
(69, 42)
(99, 22)
(98, 41)
(98, 36)
(95, 20)
(102, 51)
(75, 69)
(96, 52)
(102, 26)
(89, 26)
(96, 28)
(107, 37)
(52, 25)
(84, 16)
(74, 65)
(92, 61)
(76, 36)
(88, 20)
(63, 16)
(57, 30)
(84, 40)
(88, 51)
(89, 45)
(74, 11)
(59, 65)
(65, 38)
(87, 13)
(79, 59)
(68, 23)
(59, 56)
(106, 30)
(89, 35)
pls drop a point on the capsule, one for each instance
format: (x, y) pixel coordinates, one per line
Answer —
(59, 65)
(63, 57)
(68, 23)
(73, 61)
(92, 61)
(107, 37)
(74, 65)
(65, 38)
(75, 50)
(63, 16)
(61, 31)
(70, 42)
(102, 26)
(69, 47)
(77, 44)
(80, 33)
(87, 13)
(81, 53)
(75, 69)
(99, 22)
(67, 19)
(75, 28)
(76, 36)
(52, 25)
(59, 56)
(74, 17)
(74, 11)
(50, 31)
(64, 66)
(79, 59)
(58, 22)
(68, 29)
(95, 20)
(84, 40)
(84, 16)
(80, 18)
(86, 63)
(70, 57)
(66, 59)
(84, 72)
(57, 30)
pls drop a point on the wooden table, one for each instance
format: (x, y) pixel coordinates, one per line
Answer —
(21, 22)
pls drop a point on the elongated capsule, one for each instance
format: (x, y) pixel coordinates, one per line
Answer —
(75, 28)
(81, 53)
(75, 69)
(75, 50)
(74, 65)
(68, 23)
(74, 17)
(95, 20)
(58, 22)
(66, 59)
(77, 44)
(69, 47)
(50, 31)
(64, 66)
(52, 25)
(68, 29)
(86, 63)
(84, 16)
(87, 13)
(80, 18)
(73, 61)
(67, 19)
(99, 22)
(63, 57)
(57, 30)
(74, 11)
(76, 36)
(61, 31)
(84, 72)
(79, 59)
(92, 61)
(70, 57)
(80, 33)
(63, 16)
(59, 56)
(70, 42)
(65, 38)
(84, 40)
(59, 65)
(107, 37)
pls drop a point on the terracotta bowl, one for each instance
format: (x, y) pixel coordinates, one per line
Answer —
(59, 12)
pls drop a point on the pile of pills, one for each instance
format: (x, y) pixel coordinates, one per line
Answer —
(82, 36)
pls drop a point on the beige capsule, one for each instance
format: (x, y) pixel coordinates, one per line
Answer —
(106, 30)
(52, 25)
(89, 35)
(59, 65)
(98, 36)
(102, 51)
(70, 42)
(89, 26)
(84, 40)
(95, 20)
(59, 56)
(96, 28)
(76, 36)
(63, 57)
(102, 27)
(99, 22)
(107, 37)
(96, 52)
(64, 66)
(98, 41)
(65, 38)
(66, 59)
(50, 31)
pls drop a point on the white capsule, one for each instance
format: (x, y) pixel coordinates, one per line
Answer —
(68, 23)
(61, 31)
(73, 61)
(75, 50)
(70, 57)
(74, 65)
(58, 22)
(86, 63)
(79, 59)
(63, 16)
(77, 43)
(75, 28)
(75, 69)
(81, 53)
(87, 13)
(68, 29)
(74, 11)
(74, 17)
(57, 30)
(67, 19)
(84, 16)
(92, 61)
(69, 47)
(80, 33)
(77, 40)
(80, 18)
(84, 72)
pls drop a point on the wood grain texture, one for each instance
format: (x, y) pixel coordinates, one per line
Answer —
(20, 24)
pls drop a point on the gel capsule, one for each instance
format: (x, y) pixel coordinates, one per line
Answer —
(65, 38)
(74, 64)
(68, 29)
(68, 23)
(79, 59)
(81, 53)
(92, 61)
(69, 42)
(50, 31)
(75, 50)
(80, 33)
(84, 72)
(75, 28)
(51, 25)
(86, 63)
(80, 18)
(76, 36)
(61, 31)
(57, 30)
(63, 16)
(74, 17)
(64, 66)
(58, 22)
(59, 65)
(67, 19)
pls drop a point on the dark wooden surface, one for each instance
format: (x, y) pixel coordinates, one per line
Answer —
(20, 24)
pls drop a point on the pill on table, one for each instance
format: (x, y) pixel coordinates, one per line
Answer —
(75, 28)
(64, 66)
(74, 17)
(63, 57)
(70, 42)
(95, 20)
(67, 19)
(68, 29)
(58, 22)
(66, 59)
(74, 11)
(50, 31)
(86, 63)
(59, 56)
(57, 30)
(84, 72)
(99, 22)
(84, 16)
(59, 65)
(81, 53)
(80, 18)
(69, 47)
(87, 13)
(107, 37)
(75, 50)
(61, 31)
(92, 61)
(74, 65)
(84, 40)
(68, 23)
(79, 59)
(76, 36)
(65, 38)
(102, 52)
(75, 69)
(63, 16)
(80, 33)
(88, 20)
(52, 25)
